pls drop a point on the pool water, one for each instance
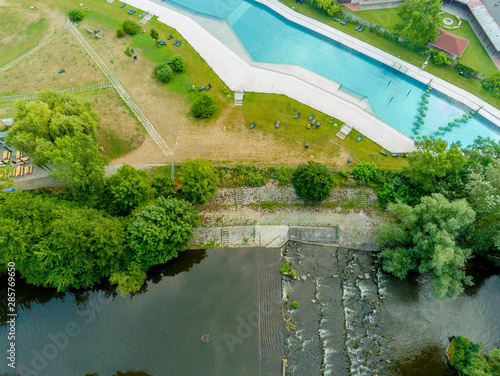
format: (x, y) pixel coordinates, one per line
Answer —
(394, 97)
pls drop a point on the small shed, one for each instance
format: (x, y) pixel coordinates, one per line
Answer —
(450, 43)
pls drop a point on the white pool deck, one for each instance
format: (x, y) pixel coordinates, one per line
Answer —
(241, 74)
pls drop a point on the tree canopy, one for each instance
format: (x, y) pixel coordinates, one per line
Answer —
(204, 106)
(313, 181)
(55, 244)
(128, 188)
(157, 233)
(199, 181)
(426, 238)
(433, 161)
(466, 357)
(419, 19)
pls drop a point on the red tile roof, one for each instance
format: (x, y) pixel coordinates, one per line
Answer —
(450, 42)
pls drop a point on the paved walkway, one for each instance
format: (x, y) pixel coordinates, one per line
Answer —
(303, 85)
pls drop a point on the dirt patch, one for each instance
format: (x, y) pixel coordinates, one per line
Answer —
(39, 71)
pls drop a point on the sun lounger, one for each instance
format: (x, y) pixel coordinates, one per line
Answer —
(179, 43)
(361, 28)
(357, 27)
(31, 169)
(306, 146)
(336, 19)
(61, 71)
(175, 41)
(201, 88)
(313, 122)
(169, 62)
(395, 154)
(319, 123)
(169, 37)
(209, 86)
(89, 31)
(123, 5)
(384, 153)
(344, 21)
(349, 160)
(311, 117)
(360, 138)
(132, 11)
(162, 42)
(297, 115)
(278, 124)
(18, 171)
(5, 155)
(253, 125)
(405, 155)
(18, 154)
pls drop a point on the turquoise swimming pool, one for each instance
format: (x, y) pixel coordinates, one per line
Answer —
(394, 97)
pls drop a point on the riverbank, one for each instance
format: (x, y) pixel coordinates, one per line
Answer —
(269, 216)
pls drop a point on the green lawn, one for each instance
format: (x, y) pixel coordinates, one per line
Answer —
(386, 18)
(396, 49)
(321, 140)
(475, 55)
(18, 36)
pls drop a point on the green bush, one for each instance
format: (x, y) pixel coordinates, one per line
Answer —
(313, 181)
(365, 171)
(459, 67)
(199, 181)
(285, 268)
(204, 106)
(295, 304)
(284, 174)
(131, 27)
(344, 173)
(163, 72)
(127, 52)
(492, 83)
(120, 33)
(75, 15)
(178, 63)
(439, 58)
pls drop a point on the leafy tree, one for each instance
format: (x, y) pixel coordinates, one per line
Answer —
(78, 160)
(365, 171)
(154, 34)
(439, 58)
(163, 72)
(199, 181)
(178, 63)
(492, 83)
(433, 161)
(39, 124)
(75, 15)
(129, 280)
(331, 7)
(157, 233)
(6, 181)
(128, 188)
(483, 151)
(483, 194)
(313, 181)
(130, 27)
(466, 357)
(57, 245)
(120, 33)
(204, 106)
(127, 52)
(393, 191)
(426, 239)
(419, 19)
(164, 187)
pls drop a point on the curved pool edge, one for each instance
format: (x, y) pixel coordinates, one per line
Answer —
(240, 75)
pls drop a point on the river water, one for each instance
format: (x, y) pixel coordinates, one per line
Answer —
(344, 325)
